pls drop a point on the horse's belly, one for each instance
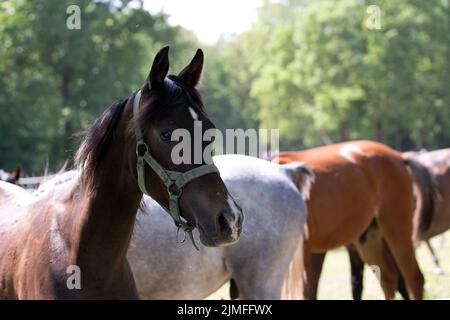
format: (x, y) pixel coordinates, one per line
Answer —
(192, 285)
(340, 210)
(338, 235)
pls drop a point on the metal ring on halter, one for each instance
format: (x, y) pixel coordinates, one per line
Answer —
(138, 149)
(178, 235)
(174, 190)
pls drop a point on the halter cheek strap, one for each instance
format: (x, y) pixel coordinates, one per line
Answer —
(174, 181)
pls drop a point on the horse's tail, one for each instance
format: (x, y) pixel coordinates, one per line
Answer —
(427, 195)
(302, 176)
(292, 288)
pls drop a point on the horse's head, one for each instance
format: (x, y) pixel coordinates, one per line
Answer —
(12, 177)
(168, 103)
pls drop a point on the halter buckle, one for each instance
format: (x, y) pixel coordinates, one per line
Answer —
(141, 149)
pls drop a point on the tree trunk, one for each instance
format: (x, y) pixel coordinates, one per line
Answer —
(68, 127)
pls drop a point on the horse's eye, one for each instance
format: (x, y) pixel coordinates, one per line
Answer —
(166, 135)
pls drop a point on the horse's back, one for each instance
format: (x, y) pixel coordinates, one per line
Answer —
(13, 201)
(344, 152)
(438, 161)
(9, 191)
(238, 167)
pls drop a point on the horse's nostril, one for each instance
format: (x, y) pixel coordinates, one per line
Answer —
(223, 222)
(240, 219)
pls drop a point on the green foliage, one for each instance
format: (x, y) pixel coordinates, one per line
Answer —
(324, 76)
(226, 87)
(310, 68)
(54, 80)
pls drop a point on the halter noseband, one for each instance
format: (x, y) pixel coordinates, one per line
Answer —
(173, 180)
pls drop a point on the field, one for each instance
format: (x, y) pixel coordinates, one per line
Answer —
(335, 281)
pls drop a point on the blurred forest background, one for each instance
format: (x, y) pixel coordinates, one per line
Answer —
(311, 68)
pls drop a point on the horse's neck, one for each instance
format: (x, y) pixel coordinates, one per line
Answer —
(108, 212)
(107, 220)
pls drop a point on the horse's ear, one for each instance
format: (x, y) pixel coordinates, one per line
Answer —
(193, 71)
(160, 68)
(15, 175)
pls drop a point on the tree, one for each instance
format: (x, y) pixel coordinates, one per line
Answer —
(55, 80)
(323, 76)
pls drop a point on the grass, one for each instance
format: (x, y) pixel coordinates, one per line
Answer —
(335, 280)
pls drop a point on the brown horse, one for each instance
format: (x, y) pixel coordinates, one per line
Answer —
(71, 242)
(12, 177)
(433, 200)
(358, 182)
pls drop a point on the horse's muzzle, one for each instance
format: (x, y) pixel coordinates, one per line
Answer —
(228, 228)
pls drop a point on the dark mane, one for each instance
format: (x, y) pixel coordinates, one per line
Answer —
(98, 138)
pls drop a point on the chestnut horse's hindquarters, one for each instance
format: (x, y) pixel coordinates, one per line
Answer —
(373, 249)
(395, 220)
(357, 182)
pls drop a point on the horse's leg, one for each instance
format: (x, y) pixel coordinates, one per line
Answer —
(357, 271)
(256, 285)
(234, 290)
(437, 269)
(402, 287)
(373, 250)
(397, 230)
(262, 279)
(313, 263)
(313, 276)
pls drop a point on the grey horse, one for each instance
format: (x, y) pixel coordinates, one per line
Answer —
(260, 265)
